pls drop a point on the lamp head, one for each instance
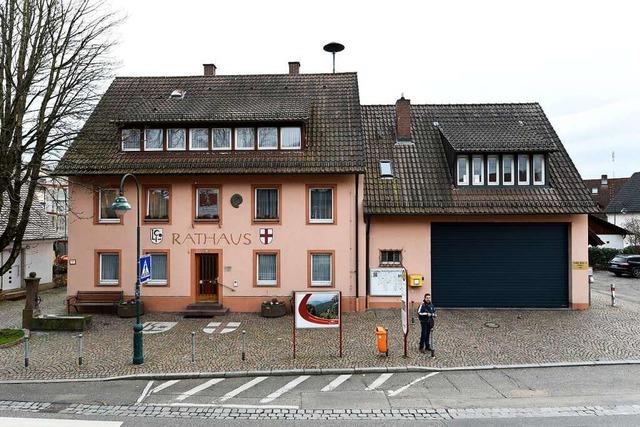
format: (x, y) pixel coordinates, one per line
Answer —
(121, 205)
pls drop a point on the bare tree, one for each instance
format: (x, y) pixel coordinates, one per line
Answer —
(54, 56)
(633, 226)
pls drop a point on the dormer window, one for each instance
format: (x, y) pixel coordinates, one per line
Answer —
(153, 140)
(291, 138)
(131, 139)
(177, 94)
(523, 169)
(268, 138)
(176, 139)
(386, 171)
(199, 139)
(538, 169)
(478, 170)
(463, 170)
(221, 138)
(493, 170)
(245, 138)
(507, 170)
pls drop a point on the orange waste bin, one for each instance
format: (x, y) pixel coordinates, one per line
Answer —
(382, 340)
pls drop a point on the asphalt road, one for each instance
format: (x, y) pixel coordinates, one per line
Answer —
(627, 288)
(492, 394)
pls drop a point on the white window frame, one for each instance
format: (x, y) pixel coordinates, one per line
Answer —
(282, 147)
(197, 217)
(594, 190)
(161, 139)
(258, 138)
(184, 147)
(322, 283)
(157, 282)
(268, 283)
(122, 140)
(253, 147)
(465, 181)
(497, 163)
(191, 147)
(148, 195)
(229, 142)
(384, 263)
(106, 220)
(528, 180)
(255, 207)
(108, 282)
(386, 169)
(333, 200)
(473, 173)
(542, 164)
(509, 158)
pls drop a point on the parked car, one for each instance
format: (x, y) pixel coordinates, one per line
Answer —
(625, 264)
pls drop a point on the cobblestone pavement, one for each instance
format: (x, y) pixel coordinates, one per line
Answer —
(627, 288)
(461, 338)
(444, 414)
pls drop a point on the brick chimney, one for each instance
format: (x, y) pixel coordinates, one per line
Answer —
(294, 68)
(403, 119)
(209, 69)
(604, 181)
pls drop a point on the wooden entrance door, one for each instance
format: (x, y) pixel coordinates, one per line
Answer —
(207, 277)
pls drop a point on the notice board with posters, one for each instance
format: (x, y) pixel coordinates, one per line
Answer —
(387, 282)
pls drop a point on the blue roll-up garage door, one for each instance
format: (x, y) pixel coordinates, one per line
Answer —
(500, 265)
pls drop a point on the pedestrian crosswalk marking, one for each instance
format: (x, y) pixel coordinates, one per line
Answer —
(145, 392)
(336, 382)
(199, 388)
(379, 381)
(211, 327)
(164, 385)
(243, 387)
(284, 389)
(404, 387)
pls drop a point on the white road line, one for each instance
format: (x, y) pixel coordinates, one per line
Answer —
(335, 383)
(145, 392)
(164, 385)
(404, 387)
(379, 381)
(198, 389)
(243, 387)
(230, 405)
(287, 387)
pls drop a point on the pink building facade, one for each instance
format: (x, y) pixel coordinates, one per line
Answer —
(253, 187)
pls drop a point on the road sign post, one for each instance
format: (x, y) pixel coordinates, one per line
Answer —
(145, 268)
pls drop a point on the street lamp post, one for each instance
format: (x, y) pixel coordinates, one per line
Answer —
(121, 206)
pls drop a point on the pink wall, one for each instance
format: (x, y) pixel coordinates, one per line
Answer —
(413, 236)
(293, 237)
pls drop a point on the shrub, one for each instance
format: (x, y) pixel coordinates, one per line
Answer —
(600, 257)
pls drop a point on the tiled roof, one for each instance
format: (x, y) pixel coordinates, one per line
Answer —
(500, 134)
(39, 226)
(605, 193)
(328, 103)
(628, 198)
(423, 184)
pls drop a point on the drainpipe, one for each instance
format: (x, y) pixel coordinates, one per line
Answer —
(357, 182)
(368, 227)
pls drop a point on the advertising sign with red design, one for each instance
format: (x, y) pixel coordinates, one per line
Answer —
(317, 310)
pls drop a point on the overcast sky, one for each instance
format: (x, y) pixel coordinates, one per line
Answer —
(579, 59)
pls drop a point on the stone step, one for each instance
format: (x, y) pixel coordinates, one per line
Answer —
(213, 312)
(204, 306)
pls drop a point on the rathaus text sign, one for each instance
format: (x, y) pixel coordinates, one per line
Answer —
(217, 239)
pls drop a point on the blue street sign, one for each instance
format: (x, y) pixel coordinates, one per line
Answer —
(145, 268)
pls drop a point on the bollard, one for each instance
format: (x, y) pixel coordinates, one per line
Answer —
(26, 351)
(193, 346)
(613, 296)
(413, 319)
(80, 345)
(243, 353)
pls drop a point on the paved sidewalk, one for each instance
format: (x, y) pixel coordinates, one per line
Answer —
(462, 339)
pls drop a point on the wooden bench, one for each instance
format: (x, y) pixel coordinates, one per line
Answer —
(94, 299)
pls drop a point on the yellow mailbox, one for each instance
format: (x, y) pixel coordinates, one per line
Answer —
(416, 280)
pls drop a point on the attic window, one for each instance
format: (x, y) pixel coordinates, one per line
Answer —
(386, 171)
(177, 94)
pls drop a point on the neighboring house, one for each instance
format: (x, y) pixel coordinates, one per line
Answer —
(254, 186)
(603, 233)
(604, 189)
(37, 253)
(625, 206)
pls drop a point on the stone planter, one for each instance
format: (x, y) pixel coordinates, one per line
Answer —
(129, 310)
(270, 309)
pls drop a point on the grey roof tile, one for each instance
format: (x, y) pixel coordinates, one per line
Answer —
(627, 198)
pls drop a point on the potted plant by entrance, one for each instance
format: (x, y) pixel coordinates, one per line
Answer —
(128, 308)
(273, 308)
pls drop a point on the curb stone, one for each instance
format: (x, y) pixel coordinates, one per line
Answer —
(329, 371)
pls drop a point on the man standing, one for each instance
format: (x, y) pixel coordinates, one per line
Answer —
(426, 313)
